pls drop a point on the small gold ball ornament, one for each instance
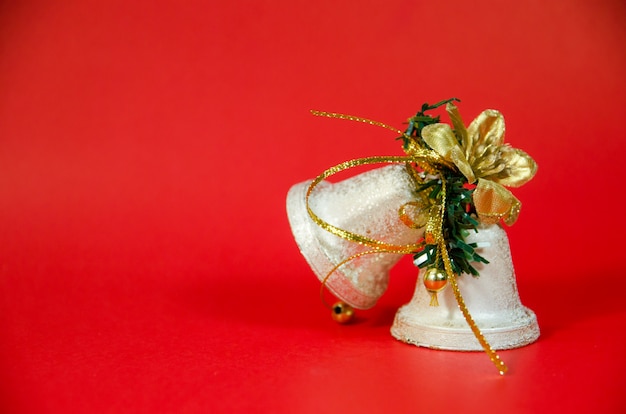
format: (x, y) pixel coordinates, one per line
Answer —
(342, 312)
(435, 281)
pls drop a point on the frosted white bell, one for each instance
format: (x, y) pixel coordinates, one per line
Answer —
(365, 204)
(491, 298)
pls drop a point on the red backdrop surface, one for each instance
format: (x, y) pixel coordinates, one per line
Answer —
(146, 149)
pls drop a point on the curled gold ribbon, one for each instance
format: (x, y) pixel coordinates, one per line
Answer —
(348, 235)
(408, 221)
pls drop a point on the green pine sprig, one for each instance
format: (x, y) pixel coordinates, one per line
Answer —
(460, 213)
(420, 120)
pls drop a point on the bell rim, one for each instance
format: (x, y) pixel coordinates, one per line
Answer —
(510, 334)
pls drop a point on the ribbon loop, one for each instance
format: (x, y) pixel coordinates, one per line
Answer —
(348, 235)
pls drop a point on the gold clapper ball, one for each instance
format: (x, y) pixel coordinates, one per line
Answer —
(435, 281)
(342, 312)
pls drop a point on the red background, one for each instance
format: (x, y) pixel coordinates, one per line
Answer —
(146, 149)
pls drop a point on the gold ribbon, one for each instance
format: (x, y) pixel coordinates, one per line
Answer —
(479, 154)
(377, 245)
(493, 356)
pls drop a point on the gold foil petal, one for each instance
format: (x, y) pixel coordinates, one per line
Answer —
(493, 203)
(442, 140)
(485, 131)
(459, 127)
(521, 168)
(490, 164)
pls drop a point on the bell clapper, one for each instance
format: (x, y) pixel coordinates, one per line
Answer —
(342, 312)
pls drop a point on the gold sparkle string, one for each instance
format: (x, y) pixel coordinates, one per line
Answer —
(431, 162)
(348, 235)
(441, 243)
(356, 119)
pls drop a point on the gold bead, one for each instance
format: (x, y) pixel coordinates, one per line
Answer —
(342, 312)
(435, 280)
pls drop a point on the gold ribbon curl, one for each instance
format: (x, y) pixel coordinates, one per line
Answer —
(479, 154)
(348, 235)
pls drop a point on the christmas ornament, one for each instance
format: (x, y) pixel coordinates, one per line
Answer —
(443, 204)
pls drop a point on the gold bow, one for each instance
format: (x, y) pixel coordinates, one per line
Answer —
(481, 156)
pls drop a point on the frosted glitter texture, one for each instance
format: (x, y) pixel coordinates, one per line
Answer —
(492, 300)
(365, 204)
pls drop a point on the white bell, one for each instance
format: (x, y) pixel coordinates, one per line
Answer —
(366, 204)
(492, 299)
